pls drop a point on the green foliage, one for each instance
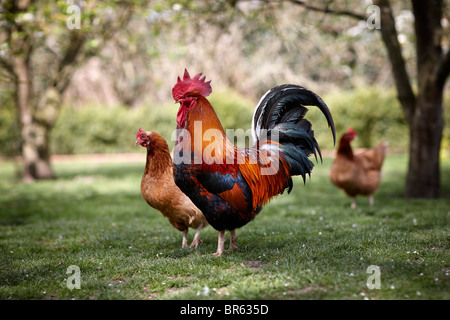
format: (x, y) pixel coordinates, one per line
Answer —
(235, 113)
(374, 113)
(233, 109)
(108, 130)
(96, 129)
(445, 145)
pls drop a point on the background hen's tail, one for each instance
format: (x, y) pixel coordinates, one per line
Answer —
(374, 158)
(282, 111)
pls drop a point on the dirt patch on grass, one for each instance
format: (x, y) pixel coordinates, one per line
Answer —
(305, 290)
(175, 290)
(254, 264)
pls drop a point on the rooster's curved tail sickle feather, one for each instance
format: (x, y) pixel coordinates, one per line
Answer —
(282, 109)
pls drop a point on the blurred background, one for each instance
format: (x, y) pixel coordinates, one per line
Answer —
(80, 77)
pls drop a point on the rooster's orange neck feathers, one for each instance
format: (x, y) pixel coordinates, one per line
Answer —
(263, 187)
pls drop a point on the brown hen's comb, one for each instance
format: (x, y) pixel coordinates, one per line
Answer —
(189, 84)
(140, 131)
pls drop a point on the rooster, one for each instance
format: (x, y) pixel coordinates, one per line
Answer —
(159, 190)
(230, 184)
(357, 173)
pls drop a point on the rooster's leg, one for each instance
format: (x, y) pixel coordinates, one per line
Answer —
(353, 206)
(371, 200)
(221, 243)
(197, 240)
(233, 239)
(185, 239)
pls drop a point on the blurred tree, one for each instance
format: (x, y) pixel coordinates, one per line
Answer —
(423, 110)
(45, 41)
(255, 46)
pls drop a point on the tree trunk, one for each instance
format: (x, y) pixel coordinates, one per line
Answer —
(426, 123)
(37, 116)
(35, 137)
(34, 131)
(35, 153)
(424, 112)
(423, 180)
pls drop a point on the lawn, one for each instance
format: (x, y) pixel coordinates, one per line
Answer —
(305, 245)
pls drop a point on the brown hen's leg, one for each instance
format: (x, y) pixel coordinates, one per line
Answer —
(353, 206)
(371, 200)
(184, 244)
(220, 244)
(197, 240)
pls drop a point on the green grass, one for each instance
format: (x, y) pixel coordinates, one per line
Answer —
(305, 245)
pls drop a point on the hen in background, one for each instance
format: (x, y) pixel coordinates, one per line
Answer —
(357, 173)
(160, 191)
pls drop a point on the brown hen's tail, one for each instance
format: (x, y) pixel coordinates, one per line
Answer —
(375, 157)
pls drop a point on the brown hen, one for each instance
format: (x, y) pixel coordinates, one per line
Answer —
(160, 191)
(357, 173)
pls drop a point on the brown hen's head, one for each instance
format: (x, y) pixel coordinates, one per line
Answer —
(152, 141)
(351, 134)
(344, 143)
(142, 138)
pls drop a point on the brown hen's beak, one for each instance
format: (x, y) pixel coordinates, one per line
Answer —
(137, 142)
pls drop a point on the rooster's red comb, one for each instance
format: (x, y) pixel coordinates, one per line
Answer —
(189, 84)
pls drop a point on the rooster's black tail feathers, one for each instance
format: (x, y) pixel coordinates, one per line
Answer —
(282, 111)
